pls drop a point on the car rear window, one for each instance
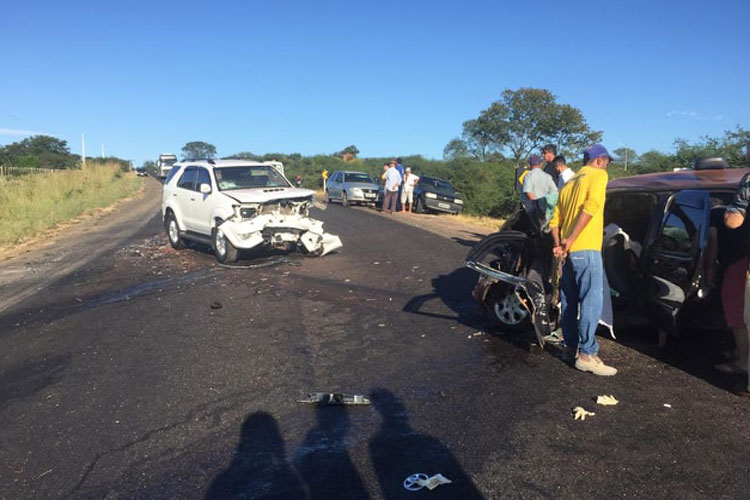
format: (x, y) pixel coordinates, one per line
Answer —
(357, 177)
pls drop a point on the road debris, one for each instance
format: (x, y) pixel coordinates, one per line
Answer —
(334, 398)
(606, 400)
(580, 413)
(667, 405)
(216, 305)
(417, 481)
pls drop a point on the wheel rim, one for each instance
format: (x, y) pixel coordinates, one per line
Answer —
(174, 233)
(220, 242)
(509, 310)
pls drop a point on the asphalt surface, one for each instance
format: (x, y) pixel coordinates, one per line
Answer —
(152, 373)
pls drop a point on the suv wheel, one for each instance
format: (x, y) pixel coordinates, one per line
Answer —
(504, 310)
(173, 232)
(419, 205)
(224, 251)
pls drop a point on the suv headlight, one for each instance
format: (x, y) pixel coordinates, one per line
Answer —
(458, 201)
(430, 195)
(244, 212)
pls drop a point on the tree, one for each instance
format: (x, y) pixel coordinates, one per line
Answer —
(39, 151)
(456, 149)
(198, 150)
(626, 154)
(348, 153)
(731, 147)
(523, 121)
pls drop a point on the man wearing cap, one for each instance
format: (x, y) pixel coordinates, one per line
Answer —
(407, 192)
(577, 227)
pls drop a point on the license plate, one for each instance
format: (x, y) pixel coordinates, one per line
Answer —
(369, 195)
(444, 205)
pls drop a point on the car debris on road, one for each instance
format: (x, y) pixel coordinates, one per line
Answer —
(580, 413)
(334, 399)
(606, 400)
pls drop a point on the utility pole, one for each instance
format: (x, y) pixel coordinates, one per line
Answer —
(102, 153)
(83, 151)
(626, 157)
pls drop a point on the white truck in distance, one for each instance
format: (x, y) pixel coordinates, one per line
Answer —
(164, 164)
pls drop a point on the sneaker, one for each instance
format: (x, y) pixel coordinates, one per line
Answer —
(594, 365)
(555, 337)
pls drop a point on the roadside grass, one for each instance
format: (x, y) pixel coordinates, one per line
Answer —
(480, 220)
(33, 203)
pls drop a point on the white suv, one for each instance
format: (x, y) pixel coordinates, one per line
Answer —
(235, 204)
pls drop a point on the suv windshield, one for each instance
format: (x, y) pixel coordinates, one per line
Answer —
(436, 183)
(251, 176)
(357, 177)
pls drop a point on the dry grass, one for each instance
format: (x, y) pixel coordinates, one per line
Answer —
(479, 220)
(34, 203)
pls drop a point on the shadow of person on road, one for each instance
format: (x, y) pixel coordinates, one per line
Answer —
(259, 468)
(454, 291)
(323, 460)
(397, 451)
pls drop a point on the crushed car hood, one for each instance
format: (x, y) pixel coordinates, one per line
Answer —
(263, 195)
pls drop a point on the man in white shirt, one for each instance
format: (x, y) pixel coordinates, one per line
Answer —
(564, 173)
(407, 193)
(392, 183)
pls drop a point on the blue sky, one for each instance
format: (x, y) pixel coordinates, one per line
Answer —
(393, 78)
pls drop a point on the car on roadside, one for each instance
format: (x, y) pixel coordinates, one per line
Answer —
(140, 172)
(349, 188)
(436, 195)
(656, 228)
(235, 205)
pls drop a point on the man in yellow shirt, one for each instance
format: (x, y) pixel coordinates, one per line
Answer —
(577, 228)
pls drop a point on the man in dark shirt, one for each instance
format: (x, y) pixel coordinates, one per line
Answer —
(548, 155)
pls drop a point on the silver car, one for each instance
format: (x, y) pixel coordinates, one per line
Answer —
(352, 187)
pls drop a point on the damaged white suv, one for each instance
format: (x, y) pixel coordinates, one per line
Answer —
(236, 205)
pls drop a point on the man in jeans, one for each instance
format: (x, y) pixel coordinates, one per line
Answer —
(577, 228)
(734, 217)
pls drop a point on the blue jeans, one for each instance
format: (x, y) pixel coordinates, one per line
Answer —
(582, 285)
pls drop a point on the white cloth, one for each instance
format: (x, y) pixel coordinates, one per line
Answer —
(410, 180)
(564, 177)
(392, 179)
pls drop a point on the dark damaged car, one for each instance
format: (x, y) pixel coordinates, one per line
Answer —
(656, 230)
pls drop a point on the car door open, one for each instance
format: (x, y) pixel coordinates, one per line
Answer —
(674, 259)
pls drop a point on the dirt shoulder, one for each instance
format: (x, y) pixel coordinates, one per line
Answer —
(461, 229)
(34, 264)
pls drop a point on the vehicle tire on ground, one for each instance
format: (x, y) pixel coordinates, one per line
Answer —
(344, 199)
(419, 205)
(224, 251)
(504, 310)
(173, 232)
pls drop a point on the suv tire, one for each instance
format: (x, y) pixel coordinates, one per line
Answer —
(504, 311)
(419, 205)
(224, 251)
(344, 199)
(173, 232)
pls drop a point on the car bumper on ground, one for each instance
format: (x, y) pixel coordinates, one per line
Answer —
(442, 206)
(279, 230)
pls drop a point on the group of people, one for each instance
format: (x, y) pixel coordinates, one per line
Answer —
(577, 226)
(399, 184)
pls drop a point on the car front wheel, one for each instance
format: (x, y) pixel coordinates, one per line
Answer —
(224, 251)
(344, 199)
(173, 232)
(504, 310)
(419, 205)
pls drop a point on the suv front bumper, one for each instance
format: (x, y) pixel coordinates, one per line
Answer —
(278, 230)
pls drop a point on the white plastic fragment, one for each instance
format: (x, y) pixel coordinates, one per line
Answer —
(417, 481)
(435, 481)
(581, 413)
(667, 405)
(606, 400)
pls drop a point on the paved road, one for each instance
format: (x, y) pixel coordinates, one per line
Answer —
(121, 381)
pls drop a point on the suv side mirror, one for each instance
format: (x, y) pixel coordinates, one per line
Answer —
(205, 188)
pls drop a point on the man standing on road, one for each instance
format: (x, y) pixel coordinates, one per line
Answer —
(549, 152)
(392, 183)
(407, 193)
(734, 217)
(577, 229)
(539, 187)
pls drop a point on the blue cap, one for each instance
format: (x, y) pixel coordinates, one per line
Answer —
(534, 160)
(597, 151)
